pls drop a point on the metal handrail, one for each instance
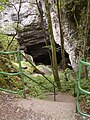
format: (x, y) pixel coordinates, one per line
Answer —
(23, 75)
(79, 88)
(11, 74)
(14, 74)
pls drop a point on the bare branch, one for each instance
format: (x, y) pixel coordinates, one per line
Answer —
(11, 41)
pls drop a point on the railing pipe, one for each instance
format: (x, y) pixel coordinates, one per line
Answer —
(79, 88)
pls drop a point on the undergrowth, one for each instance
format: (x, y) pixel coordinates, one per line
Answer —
(9, 64)
(36, 90)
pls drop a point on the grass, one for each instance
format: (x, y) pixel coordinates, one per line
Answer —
(39, 92)
(84, 99)
(34, 89)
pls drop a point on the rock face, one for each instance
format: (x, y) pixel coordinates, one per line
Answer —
(30, 34)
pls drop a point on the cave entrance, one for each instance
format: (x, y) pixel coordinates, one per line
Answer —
(45, 58)
(40, 54)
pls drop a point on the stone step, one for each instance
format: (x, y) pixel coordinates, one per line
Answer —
(57, 110)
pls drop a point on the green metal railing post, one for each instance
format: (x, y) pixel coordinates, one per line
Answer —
(79, 88)
(12, 74)
(22, 76)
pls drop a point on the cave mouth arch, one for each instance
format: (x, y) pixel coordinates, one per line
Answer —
(45, 59)
(41, 55)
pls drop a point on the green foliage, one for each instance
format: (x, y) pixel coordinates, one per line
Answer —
(5, 40)
(74, 8)
(39, 92)
(5, 64)
(2, 4)
(36, 90)
(3, 1)
(85, 98)
(27, 67)
(33, 89)
(1, 8)
(9, 82)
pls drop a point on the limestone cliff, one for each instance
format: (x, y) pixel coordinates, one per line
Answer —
(30, 34)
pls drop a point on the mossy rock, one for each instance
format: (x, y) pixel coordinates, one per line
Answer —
(26, 66)
(44, 69)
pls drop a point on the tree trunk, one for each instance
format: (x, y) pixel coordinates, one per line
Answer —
(86, 36)
(61, 34)
(86, 33)
(53, 49)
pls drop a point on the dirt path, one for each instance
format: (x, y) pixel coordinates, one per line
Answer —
(9, 110)
(12, 108)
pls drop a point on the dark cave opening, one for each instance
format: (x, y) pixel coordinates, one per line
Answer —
(41, 54)
(45, 58)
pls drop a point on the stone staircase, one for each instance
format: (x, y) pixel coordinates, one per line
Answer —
(63, 109)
